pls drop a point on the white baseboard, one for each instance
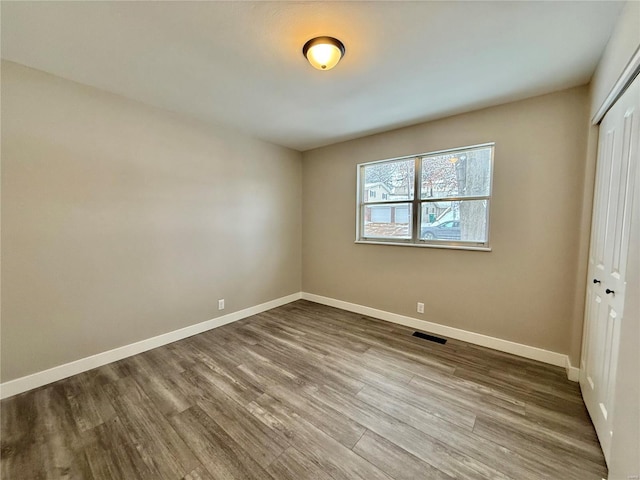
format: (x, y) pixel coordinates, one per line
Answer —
(29, 382)
(526, 351)
(573, 373)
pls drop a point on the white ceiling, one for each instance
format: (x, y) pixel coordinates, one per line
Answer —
(240, 63)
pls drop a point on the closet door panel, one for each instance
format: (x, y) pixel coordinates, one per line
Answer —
(604, 313)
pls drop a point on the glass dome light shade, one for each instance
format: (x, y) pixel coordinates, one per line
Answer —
(323, 53)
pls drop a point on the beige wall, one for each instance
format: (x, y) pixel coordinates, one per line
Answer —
(121, 222)
(582, 246)
(525, 289)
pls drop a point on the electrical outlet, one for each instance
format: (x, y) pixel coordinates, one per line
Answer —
(221, 304)
(420, 307)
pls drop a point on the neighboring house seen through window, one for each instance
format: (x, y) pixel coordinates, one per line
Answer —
(433, 199)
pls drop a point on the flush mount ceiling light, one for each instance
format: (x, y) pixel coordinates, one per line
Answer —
(323, 53)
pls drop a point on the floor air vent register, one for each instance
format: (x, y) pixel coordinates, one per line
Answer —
(431, 338)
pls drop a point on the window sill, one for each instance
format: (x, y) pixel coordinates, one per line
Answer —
(426, 245)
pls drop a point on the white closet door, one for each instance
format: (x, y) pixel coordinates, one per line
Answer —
(617, 159)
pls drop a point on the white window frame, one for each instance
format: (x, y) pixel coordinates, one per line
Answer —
(417, 202)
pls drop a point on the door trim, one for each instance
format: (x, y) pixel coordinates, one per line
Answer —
(627, 76)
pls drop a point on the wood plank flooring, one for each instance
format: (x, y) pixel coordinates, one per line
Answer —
(305, 391)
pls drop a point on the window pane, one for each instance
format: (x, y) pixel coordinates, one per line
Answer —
(387, 221)
(389, 181)
(463, 173)
(459, 221)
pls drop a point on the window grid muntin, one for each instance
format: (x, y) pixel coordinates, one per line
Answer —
(418, 201)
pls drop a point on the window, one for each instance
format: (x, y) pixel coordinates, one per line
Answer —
(438, 199)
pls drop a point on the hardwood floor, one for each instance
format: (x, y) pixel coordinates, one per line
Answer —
(305, 391)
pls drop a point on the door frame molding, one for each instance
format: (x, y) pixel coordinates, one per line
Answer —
(628, 75)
